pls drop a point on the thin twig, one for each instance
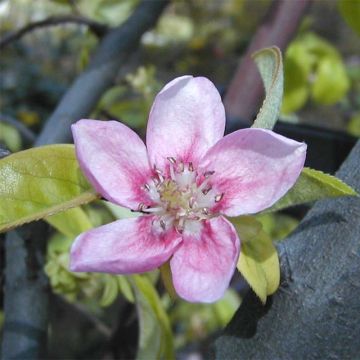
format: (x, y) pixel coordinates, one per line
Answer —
(26, 133)
(97, 28)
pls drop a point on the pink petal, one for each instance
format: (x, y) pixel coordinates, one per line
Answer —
(253, 168)
(186, 119)
(114, 159)
(123, 247)
(203, 265)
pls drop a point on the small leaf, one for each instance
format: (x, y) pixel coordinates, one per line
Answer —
(350, 10)
(10, 137)
(70, 222)
(330, 74)
(125, 288)
(111, 290)
(258, 262)
(269, 62)
(39, 182)
(313, 185)
(155, 339)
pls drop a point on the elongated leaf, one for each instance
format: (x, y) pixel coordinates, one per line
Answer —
(313, 185)
(258, 262)
(155, 339)
(70, 222)
(166, 277)
(269, 62)
(39, 182)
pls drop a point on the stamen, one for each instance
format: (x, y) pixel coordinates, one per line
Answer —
(180, 225)
(208, 173)
(153, 209)
(205, 211)
(172, 160)
(191, 166)
(146, 187)
(141, 207)
(191, 202)
(162, 224)
(205, 191)
(219, 197)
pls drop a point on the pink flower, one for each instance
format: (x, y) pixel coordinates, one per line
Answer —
(187, 178)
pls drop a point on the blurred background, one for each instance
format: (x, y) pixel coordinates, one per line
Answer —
(93, 316)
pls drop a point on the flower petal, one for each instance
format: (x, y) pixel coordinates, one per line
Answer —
(114, 159)
(253, 169)
(123, 247)
(203, 265)
(186, 119)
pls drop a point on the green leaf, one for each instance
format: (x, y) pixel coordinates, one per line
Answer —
(125, 288)
(269, 62)
(297, 68)
(331, 81)
(353, 127)
(71, 222)
(313, 185)
(258, 262)
(10, 137)
(111, 290)
(40, 182)
(350, 10)
(155, 340)
(166, 277)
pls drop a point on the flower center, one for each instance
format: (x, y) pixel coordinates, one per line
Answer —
(182, 199)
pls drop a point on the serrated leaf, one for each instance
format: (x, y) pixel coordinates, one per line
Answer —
(269, 62)
(70, 222)
(313, 185)
(258, 262)
(155, 339)
(40, 182)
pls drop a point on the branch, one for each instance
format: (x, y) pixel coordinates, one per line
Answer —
(315, 313)
(113, 53)
(243, 97)
(26, 301)
(97, 28)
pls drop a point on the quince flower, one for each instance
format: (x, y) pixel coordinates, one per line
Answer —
(183, 182)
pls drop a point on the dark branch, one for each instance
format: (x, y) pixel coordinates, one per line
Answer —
(112, 54)
(243, 97)
(97, 28)
(315, 313)
(26, 300)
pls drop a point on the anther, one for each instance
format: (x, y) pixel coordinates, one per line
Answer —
(208, 173)
(141, 207)
(205, 211)
(219, 197)
(147, 187)
(191, 166)
(205, 191)
(172, 160)
(191, 202)
(162, 224)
